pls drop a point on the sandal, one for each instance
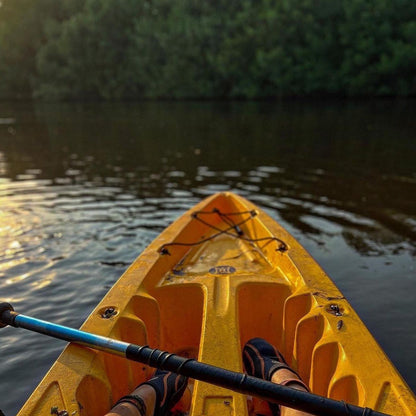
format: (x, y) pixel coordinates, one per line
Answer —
(262, 360)
(169, 389)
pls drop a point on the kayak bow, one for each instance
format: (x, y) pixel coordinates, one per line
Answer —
(221, 274)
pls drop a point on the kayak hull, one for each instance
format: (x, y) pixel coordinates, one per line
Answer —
(221, 274)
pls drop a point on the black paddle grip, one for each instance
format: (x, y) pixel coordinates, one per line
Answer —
(7, 314)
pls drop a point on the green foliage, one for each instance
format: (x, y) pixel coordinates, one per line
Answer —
(129, 49)
(87, 55)
(22, 35)
(379, 47)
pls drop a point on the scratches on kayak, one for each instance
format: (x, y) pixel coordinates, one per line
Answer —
(329, 298)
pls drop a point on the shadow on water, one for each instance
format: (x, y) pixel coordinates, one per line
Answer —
(84, 188)
(358, 157)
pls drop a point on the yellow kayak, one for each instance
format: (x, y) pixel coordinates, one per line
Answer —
(223, 273)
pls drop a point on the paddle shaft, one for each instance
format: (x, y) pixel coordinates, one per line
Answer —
(241, 383)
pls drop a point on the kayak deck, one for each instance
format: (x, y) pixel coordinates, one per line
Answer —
(223, 273)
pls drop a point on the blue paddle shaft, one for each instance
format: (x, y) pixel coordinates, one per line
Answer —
(71, 335)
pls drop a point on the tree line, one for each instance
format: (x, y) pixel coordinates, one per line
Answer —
(181, 49)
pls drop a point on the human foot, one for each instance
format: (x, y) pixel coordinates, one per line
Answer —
(154, 397)
(169, 388)
(262, 360)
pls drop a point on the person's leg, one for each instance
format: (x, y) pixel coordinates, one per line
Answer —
(262, 360)
(141, 402)
(281, 377)
(152, 398)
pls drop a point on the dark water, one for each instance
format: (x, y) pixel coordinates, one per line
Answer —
(84, 188)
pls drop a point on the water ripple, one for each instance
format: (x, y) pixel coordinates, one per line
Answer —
(76, 208)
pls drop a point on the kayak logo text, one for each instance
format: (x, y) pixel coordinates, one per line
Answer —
(222, 270)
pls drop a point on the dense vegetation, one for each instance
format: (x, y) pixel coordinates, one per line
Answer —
(127, 49)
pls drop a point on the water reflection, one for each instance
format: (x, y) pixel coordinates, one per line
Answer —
(84, 188)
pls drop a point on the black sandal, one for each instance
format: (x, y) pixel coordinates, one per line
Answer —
(169, 389)
(262, 360)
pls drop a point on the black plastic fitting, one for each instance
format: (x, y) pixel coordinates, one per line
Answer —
(5, 317)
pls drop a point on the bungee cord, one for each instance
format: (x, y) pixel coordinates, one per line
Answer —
(233, 230)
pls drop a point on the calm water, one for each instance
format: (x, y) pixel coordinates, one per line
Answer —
(84, 188)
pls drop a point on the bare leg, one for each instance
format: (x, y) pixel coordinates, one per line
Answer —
(146, 393)
(279, 377)
(157, 395)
